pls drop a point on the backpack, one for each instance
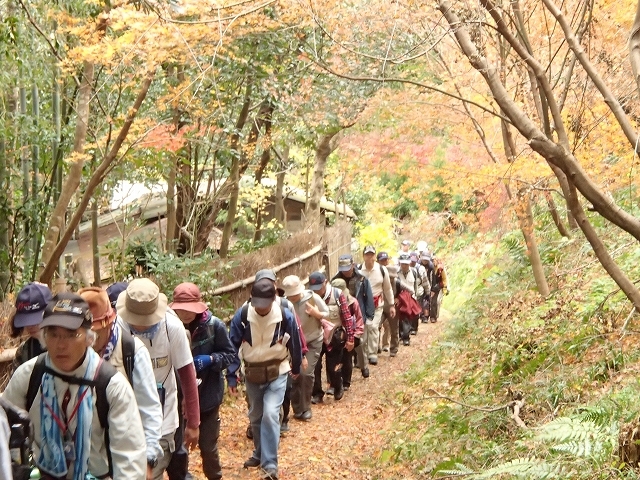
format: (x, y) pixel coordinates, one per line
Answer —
(128, 353)
(104, 372)
(19, 443)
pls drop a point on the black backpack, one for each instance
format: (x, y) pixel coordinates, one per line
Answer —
(19, 443)
(103, 376)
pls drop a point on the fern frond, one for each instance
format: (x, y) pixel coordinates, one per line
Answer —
(579, 437)
(529, 468)
(459, 470)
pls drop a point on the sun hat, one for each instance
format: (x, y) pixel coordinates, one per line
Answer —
(265, 273)
(67, 310)
(186, 296)
(113, 291)
(404, 258)
(292, 286)
(340, 284)
(316, 281)
(393, 270)
(98, 301)
(142, 303)
(406, 242)
(263, 293)
(30, 304)
(345, 262)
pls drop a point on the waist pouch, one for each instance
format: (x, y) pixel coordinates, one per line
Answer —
(262, 372)
(377, 301)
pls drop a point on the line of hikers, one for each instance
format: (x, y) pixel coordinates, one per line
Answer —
(120, 383)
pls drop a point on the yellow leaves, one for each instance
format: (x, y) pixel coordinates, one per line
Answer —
(78, 158)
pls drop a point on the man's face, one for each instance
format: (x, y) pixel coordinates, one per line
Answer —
(384, 262)
(348, 273)
(405, 248)
(369, 258)
(404, 267)
(294, 298)
(263, 312)
(323, 290)
(66, 347)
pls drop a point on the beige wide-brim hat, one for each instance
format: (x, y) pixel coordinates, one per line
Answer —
(142, 303)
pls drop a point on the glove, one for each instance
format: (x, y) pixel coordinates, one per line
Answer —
(202, 361)
(445, 290)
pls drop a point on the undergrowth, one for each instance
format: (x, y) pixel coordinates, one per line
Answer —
(567, 356)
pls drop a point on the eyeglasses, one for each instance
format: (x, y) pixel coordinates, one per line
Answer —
(60, 337)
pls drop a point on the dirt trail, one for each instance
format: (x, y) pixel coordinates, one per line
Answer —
(343, 438)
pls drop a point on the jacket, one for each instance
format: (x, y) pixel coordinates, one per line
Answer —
(362, 292)
(209, 337)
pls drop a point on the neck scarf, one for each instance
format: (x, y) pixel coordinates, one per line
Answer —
(52, 458)
(149, 333)
(111, 343)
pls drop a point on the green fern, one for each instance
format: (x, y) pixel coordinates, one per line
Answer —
(529, 468)
(580, 437)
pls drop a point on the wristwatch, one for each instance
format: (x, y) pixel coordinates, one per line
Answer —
(152, 462)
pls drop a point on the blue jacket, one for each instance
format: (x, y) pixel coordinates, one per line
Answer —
(209, 337)
(362, 293)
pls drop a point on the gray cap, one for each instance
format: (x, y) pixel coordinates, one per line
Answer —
(265, 273)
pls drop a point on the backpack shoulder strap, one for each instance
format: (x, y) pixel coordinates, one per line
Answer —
(382, 271)
(35, 380)
(105, 372)
(243, 315)
(128, 353)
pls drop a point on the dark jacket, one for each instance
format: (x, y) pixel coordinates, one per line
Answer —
(27, 350)
(362, 292)
(209, 337)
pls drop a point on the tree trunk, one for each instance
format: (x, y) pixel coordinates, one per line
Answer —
(170, 245)
(525, 218)
(96, 179)
(324, 147)
(234, 174)
(95, 251)
(74, 176)
(264, 161)
(555, 216)
(283, 160)
(5, 217)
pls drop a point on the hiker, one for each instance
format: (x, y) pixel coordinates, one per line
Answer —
(391, 335)
(409, 280)
(439, 287)
(144, 310)
(360, 288)
(75, 433)
(212, 353)
(232, 379)
(358, 331)
(31, 302)
(427, 273)
(384, 344)
(419, 272)
(311, 310)
(114, 290)
(404, 248)
(5, 457)
(129, 356)
(264, 334)
(340, 327)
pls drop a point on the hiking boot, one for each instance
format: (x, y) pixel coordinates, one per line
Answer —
(316, 399)
(284, 427)
(339, 394)
(270, 473)
(373, 360)
(434, 320)
(330, 391)
(252, 462)
(385, 349)
(346, 387)
(365, 372)
(393, 353)
(306, 415)
(405, 342)
(249, 433)
(413, 332)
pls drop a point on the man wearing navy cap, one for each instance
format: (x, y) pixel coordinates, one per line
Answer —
(360, 289)
(69, 440)
(264, 335)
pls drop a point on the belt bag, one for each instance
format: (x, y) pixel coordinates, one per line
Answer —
(377, 301)
(262, 372)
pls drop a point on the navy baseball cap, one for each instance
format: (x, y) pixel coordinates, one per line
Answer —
(115, 290)
(316, 281)
(383, 256)
(30, 304)
(345, 262)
